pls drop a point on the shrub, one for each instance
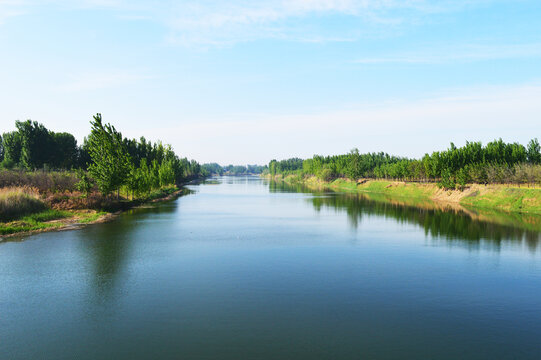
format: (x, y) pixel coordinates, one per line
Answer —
(326, 174)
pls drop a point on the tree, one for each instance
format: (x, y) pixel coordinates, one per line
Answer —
(446, 181)
(534, 152)
(36, 144)
(85, 183)
(353, 168)
(110, 164)
(64, 151)
(462, 178)
(166, 173)
(12, 145)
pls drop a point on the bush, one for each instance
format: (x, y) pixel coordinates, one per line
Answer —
(18, 202)
(325, 174)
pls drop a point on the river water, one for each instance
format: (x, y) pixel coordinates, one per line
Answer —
(247, 269)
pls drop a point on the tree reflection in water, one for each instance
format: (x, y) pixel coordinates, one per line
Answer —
(455, 224)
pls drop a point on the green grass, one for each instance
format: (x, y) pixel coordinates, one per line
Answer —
(508, 199)
(163, 192)
(47, 215)
(43, 221)
(88, 218)
(33, 222)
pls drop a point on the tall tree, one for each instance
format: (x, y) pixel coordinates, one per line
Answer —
(534, 152)
(110, 164)
(12, 149)
(64, 151)
(36, 144)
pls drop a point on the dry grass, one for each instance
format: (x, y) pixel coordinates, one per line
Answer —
(44, 181)
(16, 202)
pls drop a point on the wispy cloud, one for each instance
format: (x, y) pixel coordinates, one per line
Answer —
(236, 21)
(215, 22)
(459, 54)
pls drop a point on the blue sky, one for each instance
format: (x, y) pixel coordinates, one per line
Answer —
(248, 81)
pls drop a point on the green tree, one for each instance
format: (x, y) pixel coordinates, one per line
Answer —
(85, 183)
(534, 152)
(12, 145)
(64, 151)
(462, 178)
(166, 173)
(36, 144)
(353, 165)
(110, 164)
(446, 181)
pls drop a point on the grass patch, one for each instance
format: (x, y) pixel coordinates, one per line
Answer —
(163, 192)
(34, 222)
(86, 218)
(24, 226)
(47, 215)
(508, 199)
(44, 220)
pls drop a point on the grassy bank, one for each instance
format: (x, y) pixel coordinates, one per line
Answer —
(51, 220)
(23, 210)
(498, 197)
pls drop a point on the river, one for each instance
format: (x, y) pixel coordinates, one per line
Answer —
(247, 269)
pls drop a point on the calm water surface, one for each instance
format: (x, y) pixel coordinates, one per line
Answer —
(244, 269)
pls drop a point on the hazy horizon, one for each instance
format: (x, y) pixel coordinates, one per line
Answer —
(244, 83)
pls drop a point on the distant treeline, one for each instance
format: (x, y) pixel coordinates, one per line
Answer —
(106, 159)
(217, 169)
(496, 162)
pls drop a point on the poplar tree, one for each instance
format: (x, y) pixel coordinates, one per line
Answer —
(534, 152)
(110, 164)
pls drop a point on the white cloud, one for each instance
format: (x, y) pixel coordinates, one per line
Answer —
(462, 53)
(235, 21)
(216, 22)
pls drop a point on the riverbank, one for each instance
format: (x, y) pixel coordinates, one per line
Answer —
(71, 219)
(492, 197)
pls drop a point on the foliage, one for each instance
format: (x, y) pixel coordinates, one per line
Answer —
(12, 145)
(85, 183)
(213, 169)
(446, 181)
(110, 161)
(497, 162)
(34, 147)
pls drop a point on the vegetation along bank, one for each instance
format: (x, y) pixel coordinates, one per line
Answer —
(48, 182)
(498, 175)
